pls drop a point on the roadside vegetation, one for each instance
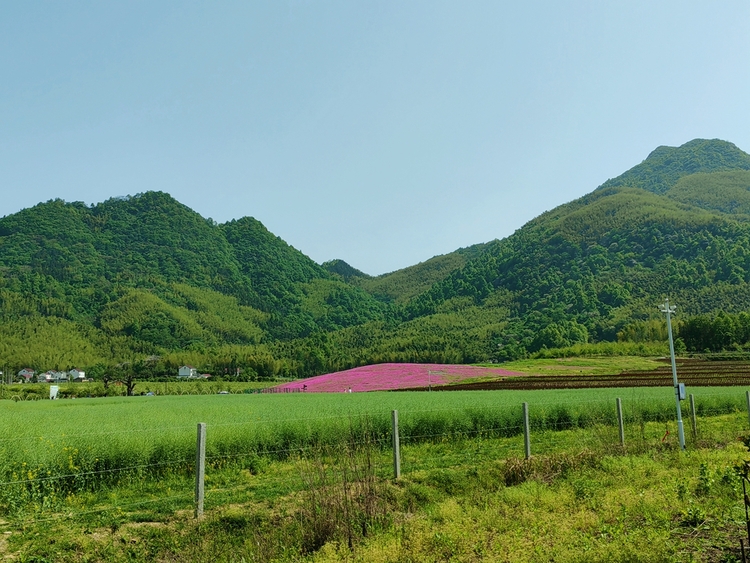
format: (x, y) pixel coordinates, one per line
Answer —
(97, 389)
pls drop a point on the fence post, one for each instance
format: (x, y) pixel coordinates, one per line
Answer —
(747, 397)
(396, 447)
(620, 423)
(693, 419)
(200, 469)
(526, 430)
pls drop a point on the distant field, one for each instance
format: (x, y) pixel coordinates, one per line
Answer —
(583, 366)
(582, 373)
(384, 377)
(379, 377)
(31, 391)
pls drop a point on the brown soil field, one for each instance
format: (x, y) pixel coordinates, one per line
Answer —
(691, 372)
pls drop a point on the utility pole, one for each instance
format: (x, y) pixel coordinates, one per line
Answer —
(666, 308)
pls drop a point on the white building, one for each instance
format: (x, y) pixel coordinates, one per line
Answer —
(188, 372)
(77, 374)
(53, 376)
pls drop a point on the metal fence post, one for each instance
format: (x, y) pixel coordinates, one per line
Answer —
(200, 469)
(526, 431)
(620, 423)
(396, 447)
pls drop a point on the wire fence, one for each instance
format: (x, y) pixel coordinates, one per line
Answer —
(35, 490)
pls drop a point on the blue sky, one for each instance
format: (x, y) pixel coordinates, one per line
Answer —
(382, 133)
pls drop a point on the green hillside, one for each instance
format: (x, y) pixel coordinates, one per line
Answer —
(666, 165)
(146, 277)
(404, 284)
(727, 192)
(343, 270)
(587, 270)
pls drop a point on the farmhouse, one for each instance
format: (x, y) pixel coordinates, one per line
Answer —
(188, 372)
(27, 374)
(53, 376)
(77, 374)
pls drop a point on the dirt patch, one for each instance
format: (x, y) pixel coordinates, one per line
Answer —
(4, 544)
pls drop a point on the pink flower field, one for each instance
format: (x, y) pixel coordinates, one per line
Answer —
(382, 377)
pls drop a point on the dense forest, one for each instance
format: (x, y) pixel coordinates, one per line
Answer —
(145, 284)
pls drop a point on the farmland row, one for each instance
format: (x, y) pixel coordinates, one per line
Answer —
(694, 373)
(597, 381)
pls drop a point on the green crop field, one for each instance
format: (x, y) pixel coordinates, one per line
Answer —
(69, 468)
(91, 442)
(146, 421)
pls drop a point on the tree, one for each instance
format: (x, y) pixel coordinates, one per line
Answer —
(127, 373)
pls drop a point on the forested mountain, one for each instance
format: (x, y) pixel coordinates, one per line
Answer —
(588, 269)
(145, 276)
(407, 283)
(344, 270)
(666, 165)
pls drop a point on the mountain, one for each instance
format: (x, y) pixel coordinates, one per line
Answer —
(404, 284)
(670, 227)
(145, 276)
(666, 165)
(343, 270)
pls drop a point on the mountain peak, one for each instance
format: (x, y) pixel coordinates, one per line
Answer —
(343, 269)
(666, 165)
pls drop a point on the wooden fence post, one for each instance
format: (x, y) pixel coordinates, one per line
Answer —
(620, 423)
(200, 469)
(526, 431)
(396, 447)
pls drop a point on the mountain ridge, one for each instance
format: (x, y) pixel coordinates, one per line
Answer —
(146, 275)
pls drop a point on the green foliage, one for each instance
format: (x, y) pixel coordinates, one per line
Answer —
(603, 262)
(666, 165)
(51, 343)
(652, 330)
(144, 275)
(343, 270)
(559, 335)
(404, 284)
(716, 333)
(727, 192)
(143, 316)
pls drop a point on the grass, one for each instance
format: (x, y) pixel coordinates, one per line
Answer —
(460, 499)
(50, 450)
(607, 365)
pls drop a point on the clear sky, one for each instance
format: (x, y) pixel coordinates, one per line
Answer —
(382, 133)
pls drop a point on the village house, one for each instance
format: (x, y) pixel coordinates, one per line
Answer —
(188, 372)
(27, 374)
(53, 376)
(77, 374)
